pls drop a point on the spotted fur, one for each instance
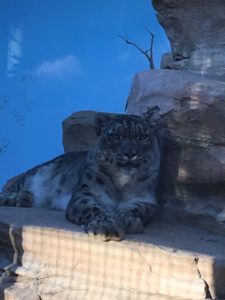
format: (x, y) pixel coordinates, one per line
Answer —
(110, 190)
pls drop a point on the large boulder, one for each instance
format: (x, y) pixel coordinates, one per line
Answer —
(195, 29)
(79, 131)
(192, 116)
(170, 89)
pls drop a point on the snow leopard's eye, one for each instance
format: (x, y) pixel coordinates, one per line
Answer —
(113, 136)
(143, 138)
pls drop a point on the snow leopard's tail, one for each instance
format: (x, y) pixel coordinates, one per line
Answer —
(21, 198)
(14, 194)
(9, 196)
(7, 199)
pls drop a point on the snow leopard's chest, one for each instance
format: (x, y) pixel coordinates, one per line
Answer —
(124, 177)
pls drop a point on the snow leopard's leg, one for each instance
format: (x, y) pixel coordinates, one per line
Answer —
(21, 198)
(134, 214)
(84, 209)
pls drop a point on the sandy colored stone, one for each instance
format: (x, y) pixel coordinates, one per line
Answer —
(56, 259)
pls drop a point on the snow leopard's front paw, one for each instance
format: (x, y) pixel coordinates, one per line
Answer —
(130, 222)
(105, 229)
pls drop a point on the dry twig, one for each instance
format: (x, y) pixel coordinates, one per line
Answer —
(147, 53)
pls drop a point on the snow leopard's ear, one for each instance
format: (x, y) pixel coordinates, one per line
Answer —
(101, 120)
(152, 116)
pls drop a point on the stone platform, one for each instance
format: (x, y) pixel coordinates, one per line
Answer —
(42, 256)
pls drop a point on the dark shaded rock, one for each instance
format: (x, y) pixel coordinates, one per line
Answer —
(79, 132)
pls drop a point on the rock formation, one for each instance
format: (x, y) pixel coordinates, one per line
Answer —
(195, 29)
(190, 92)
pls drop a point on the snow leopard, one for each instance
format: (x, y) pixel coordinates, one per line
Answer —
(109, 190)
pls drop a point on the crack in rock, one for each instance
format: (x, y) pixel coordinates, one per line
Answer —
(207, 290)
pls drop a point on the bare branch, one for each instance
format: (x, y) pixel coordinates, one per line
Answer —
(126, 40)
(151, 48)
(146, 28)
(147, 53)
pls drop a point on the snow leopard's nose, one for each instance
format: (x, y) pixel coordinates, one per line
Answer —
(130, 154)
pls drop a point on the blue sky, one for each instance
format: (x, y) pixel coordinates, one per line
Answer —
(62, 56)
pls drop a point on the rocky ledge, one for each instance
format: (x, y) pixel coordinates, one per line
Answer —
(42, 256)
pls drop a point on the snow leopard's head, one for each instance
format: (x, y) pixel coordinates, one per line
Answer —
(125, 140)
